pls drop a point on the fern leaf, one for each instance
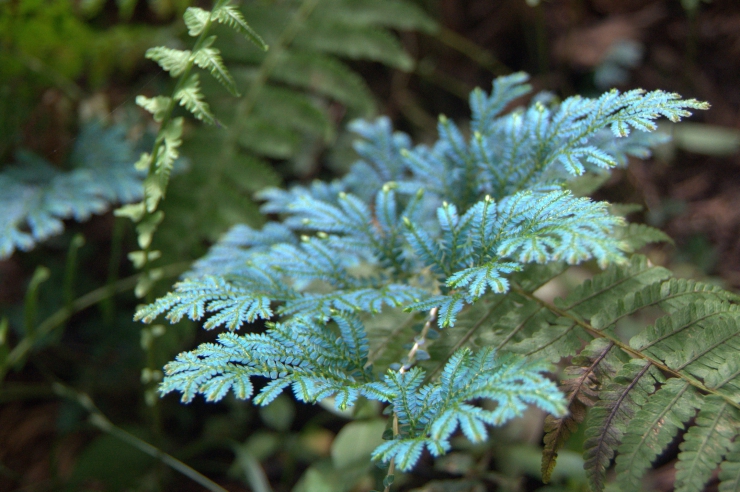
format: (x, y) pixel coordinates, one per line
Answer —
(596, 294)
(279, 106)
(635, 236)
(190, 376)
(554, 229)
(171, 60)
(561, 339)
(288, 355)
(368, 299)
(193, 298)
(158, 106)
(36, 197)
(581, 390)
(230, 16)
(209, 59)
(405, 452)
(705, 444)
(479, 279)
(165, 160)
(449, 307)
(196, 20)
(653, 427)
(729, 474)
(327, 76)
(432, 412)
(192, 99)
(485, 108)
(713, 328)
(671, 295)
(607, 421)
(404, 16)
(356, 43)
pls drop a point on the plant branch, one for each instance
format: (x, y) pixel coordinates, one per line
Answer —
(81, 303)
(99, 420)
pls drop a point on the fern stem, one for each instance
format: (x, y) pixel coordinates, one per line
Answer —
(114, 261)
(409, 361)
(99, 420)
(70, 268)
(30, 305)
(81, 303)
(392, 464)
(420, 340)
(373, 356)
(481, 56)
(634, 353)
(463, 340)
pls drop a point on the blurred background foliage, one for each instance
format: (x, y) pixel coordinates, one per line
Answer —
(77, 410)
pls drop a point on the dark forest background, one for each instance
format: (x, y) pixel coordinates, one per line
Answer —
(63, 63)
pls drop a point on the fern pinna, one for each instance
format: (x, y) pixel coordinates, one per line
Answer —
(36, 197)
(460, 236)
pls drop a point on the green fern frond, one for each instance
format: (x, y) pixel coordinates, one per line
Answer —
(196, 20)
(193, 100)
(653, 427)
(635, 236)
(357, 43)
(729, 474)
(232, 17)
(581, 388)
(706, 443)
(608, 420)
(171, 60)
(209, 59)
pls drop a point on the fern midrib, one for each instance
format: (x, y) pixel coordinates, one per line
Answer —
(635, 353)
(699, 452)
(552, 341)
(616, 406)
(680, 329)
(598, 292)
(656, 422)
(653, 303)
(706, 351)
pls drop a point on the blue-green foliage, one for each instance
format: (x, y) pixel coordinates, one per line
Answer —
(318, 360)
(469, 211)
(428, 229)
(36, 197)
(429, 414)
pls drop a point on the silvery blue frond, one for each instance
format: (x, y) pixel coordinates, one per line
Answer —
(36, 197)
(432, 230)
(429, 414)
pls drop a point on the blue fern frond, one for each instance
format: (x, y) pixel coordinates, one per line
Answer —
(356, 221)
(380, 150)
(485, 108)
(428, 415)
(235, 249)
(307, 356)
(430, 229)
(36, 197)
